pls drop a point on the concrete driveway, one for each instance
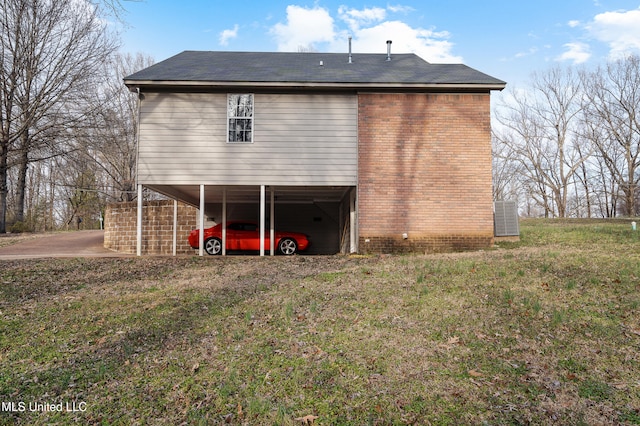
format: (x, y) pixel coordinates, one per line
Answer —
(64, 244)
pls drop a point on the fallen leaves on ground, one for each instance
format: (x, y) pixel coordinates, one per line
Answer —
(307, 420)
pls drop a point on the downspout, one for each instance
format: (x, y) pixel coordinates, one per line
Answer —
(138, 133)
(138, 185)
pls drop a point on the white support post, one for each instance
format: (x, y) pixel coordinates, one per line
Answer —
(272, 230)
(224, 221)
(201, 223)
(353, 223)
(262, 218)
(139, 223)
(175, 227)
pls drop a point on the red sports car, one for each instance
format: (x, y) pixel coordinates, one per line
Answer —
(245, 236)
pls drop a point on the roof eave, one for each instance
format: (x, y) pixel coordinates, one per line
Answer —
(160, 84)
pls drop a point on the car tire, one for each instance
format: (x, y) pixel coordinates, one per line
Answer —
(288, 246)
(213, 246)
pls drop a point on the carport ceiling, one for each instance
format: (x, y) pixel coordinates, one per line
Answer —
(190, 194)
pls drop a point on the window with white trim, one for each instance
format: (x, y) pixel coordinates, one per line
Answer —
(240, 118)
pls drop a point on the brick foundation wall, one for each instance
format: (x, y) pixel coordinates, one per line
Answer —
(424, 169)
(435, 244)
(157, 227)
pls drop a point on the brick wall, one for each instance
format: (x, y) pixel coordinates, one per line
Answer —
(157, 227)
(424, 169)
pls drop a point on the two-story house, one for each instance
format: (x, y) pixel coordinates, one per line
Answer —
(368, 153)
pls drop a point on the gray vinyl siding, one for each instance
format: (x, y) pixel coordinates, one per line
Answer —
(298, 140)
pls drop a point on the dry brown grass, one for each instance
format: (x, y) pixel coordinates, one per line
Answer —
(10, 239)
(545, 331)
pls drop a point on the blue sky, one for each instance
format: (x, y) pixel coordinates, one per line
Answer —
(507, 39)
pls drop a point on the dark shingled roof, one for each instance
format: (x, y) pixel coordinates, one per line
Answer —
(264, 68)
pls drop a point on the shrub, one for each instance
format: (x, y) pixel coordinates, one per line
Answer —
(19, 227)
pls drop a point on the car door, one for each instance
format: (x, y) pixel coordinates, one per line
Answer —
(249, 237)
(233, 236)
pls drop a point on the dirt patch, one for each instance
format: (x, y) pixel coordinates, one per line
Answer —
(64, 244)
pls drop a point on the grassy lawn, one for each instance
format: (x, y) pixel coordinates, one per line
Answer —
(543, 331)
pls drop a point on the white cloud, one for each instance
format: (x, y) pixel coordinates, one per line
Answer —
(576, 52)
(619, 29)
(369, 29)
(532, 51)
(573, 23)
(226, 35)
(356, 18)
(400, 9)
(304, 28)
(429, 45)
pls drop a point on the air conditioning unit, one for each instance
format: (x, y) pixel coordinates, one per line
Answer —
(505, 219)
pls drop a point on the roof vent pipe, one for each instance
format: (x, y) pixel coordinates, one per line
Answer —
(350, 59)
(388, 50)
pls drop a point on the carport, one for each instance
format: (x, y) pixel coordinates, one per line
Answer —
(253, 136)
(326, 213)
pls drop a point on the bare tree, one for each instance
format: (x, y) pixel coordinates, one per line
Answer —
(110, 143)
(50, 51)
(505, 170)
(115, 7)
(540, 133)
(612, 111)
(583, 178)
